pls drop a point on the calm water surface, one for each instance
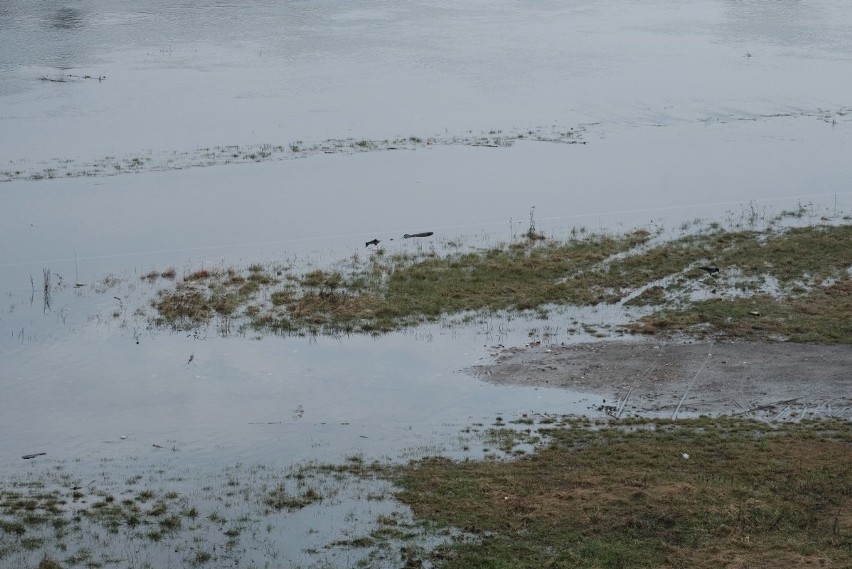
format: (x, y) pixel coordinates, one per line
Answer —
(186, 74)
(707, 109)
(704, 108)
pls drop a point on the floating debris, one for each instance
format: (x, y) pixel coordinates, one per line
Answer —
(66, 78)
(29, 456)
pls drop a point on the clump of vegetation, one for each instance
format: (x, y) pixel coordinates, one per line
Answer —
(153, 275)
(280, 498)
(531, 233)
(208, 292)
(698, 493)
(49, 563)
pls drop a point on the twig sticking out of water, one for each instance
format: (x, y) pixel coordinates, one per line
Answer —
(531, 233)
(47, 299)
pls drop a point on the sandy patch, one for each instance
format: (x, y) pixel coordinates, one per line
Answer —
(768, 381)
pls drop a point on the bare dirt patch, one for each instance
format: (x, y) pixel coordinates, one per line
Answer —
(668, 378)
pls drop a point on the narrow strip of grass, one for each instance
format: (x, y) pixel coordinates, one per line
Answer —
(385, 294)
(791, 285)
(695, 493)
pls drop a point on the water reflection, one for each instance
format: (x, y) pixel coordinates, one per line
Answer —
(785, 22)
(5, 17)
(50, 34)
(66, 19)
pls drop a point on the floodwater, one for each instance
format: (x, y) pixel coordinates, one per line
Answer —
(139, 136)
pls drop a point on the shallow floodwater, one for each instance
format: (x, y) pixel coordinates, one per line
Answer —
(139, 136)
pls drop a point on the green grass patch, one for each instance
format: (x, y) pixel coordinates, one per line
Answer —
(796, 281)
(700, 493)
(823, 315)
(386, 293)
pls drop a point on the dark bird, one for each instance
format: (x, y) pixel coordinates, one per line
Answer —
(710, 269)
(373, 242)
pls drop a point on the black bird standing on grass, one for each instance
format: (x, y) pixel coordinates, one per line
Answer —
(711, 269)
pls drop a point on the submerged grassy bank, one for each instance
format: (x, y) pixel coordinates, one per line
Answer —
(698, 493)
(789, 284)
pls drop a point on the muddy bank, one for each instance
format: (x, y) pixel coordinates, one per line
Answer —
(769, 381)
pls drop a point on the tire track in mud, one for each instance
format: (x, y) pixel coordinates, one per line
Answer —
(692, 382)
(682, 377)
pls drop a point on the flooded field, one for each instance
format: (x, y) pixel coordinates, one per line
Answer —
(198, 134)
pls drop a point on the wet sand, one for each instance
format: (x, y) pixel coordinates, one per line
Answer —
(669, 378)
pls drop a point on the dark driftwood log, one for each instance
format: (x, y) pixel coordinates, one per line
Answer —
(424, 234)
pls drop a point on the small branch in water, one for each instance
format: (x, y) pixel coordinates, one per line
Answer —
(29, 456)
(64, 78)
(47, 299)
